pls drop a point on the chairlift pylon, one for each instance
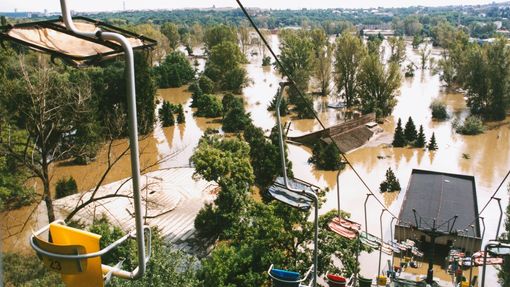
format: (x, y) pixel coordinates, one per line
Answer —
(298, 194)
(72, 252)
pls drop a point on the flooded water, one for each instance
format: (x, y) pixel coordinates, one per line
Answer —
(485, 156)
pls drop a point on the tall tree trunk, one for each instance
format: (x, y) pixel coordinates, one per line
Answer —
(47, 191)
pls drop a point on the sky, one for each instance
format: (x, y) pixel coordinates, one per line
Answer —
(112, 5)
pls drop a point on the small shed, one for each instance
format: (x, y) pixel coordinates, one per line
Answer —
(442, 205)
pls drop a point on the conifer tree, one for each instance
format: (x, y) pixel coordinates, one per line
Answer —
(166, 114)
(391, 182)
(432, 143)
(410, 131)
(399, 138)
(180, 115)
(420, 140)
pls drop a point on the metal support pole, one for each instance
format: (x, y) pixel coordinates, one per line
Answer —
(366, 221)
(380, 246)
(312, 195)
(391, 239)
(483, 223)
(133, 134)
(338, 191)
(472, 251)
(500, 217)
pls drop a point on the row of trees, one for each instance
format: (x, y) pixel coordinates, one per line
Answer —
(482, 70)
(409, 136)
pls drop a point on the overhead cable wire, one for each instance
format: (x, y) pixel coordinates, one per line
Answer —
(309, 105)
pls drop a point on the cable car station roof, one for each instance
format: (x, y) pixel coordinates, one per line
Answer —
(440, 196)
(54, 38)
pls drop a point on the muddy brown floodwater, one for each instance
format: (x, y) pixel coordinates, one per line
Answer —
(486, 156)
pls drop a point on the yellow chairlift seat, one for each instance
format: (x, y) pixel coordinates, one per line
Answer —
(76, 254)
(71, 241)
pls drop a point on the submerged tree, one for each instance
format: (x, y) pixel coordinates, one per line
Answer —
(432, 143)
(380, 84)
(166, 114)
(410, 131)
(349, 54)
(399, 139)
(180, 115)
(326, 156)
(420, 139)
(390, 183)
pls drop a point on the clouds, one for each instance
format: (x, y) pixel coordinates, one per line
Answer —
(112, 5)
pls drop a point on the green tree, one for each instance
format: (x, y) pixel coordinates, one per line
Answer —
(171, 32)
(151, 31)
(397, 49)
(175, 71)
(66, 187)
(412, 26)
(13, 193)
(410, 131)
(432, 143)
(323, 68)
(180, 115)
(208, 106)
(349, 54)
(485, 76)
(264, 156)
(297, 58)
(399, 139)
(27, 270)
(206, 84)
(417, 40)
(224, 67)
(472, 125)
(166, 115)
(218, 34)
(284, 105)
(379, 85)
(391, 182)
(438, 110)
(420, 139)
(326, 156)
(235, 118)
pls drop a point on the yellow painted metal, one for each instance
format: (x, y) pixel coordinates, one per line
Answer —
(92, 275)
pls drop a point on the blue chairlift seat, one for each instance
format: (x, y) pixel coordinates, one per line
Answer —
(286, 278)
(297, 200)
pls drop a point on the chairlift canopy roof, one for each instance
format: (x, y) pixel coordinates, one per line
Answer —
(54, 38)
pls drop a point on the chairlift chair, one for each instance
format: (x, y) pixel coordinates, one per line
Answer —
(342, 226)
(298, 194)
(286, 278)
(72, 252)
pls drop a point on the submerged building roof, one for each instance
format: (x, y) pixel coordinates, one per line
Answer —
(440, 196)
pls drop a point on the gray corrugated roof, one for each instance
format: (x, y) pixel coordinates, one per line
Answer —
(441, 196)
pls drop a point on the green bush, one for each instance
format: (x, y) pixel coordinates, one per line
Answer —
(266, 61)
(175, 71)
(66, 187)
(472, 125)
(438, 110)
(27, 271)
(206, 84)
(391, 182)
(326, 156)
(166, 114)
(208, 106)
